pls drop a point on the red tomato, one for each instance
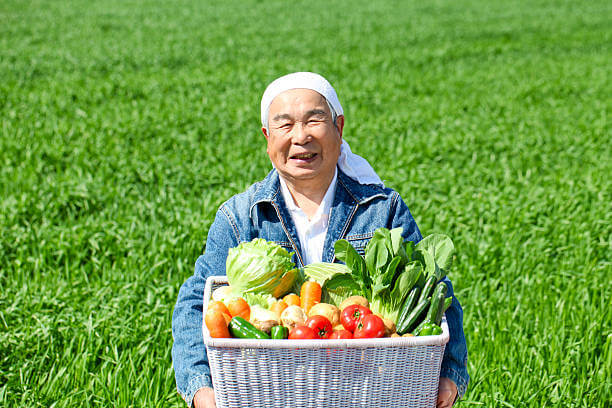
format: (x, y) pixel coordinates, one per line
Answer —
(341, 334)
(351, 315)
(302, 332)
(321, 325)
(370, 326)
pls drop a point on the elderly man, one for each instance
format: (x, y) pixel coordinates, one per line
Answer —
(317, 193)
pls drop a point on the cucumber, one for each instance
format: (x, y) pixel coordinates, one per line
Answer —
(437, 304)
(242, 329)
(428, 288)
(408, 305)
(414, 317)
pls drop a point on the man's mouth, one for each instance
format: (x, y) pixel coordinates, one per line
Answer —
(304, 156)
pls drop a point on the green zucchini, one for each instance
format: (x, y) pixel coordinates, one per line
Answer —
(414, 317)
(428, 288)
(408, 305)
(279, 332)
(437, 304)
(242, 329)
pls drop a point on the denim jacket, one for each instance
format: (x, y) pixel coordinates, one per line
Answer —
(357, 211)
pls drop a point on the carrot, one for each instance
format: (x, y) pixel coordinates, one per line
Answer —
(279, 306)
(310, 295)
(239, 307)
(228, 318)
(216, 323)
(218, 305)
(292, 299)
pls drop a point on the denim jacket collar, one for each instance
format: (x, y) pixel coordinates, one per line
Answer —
(349, 195)
(360, 193)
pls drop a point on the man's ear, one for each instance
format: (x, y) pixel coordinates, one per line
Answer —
(340, 124)
(265, 132)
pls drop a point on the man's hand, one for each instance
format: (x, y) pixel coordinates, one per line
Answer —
(447, 393)
(204, 398)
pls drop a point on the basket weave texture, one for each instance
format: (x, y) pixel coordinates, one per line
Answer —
(389, 372)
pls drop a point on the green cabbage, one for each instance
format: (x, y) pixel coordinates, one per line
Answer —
(262, 268)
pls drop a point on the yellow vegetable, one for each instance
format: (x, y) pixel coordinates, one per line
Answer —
(354, 300)
(389, 325)
(263, 319)
(292, 316)
(331, 312)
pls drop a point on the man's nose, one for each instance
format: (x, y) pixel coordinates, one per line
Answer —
(301, 134)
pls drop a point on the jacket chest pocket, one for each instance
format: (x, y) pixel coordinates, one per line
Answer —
(360, 241)
(286, 245)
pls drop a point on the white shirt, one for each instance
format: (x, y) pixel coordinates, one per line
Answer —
(311, 232)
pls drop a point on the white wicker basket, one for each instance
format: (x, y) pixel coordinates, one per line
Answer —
(389, 372)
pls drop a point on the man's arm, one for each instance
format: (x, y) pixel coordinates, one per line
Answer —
(454, 362)
(191, 367)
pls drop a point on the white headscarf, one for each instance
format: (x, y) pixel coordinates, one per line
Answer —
(351, 164)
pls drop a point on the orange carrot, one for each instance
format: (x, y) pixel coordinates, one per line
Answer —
(292, 299)
(218, 305)
(310, 295)
(228, 318)
(216, 323)
(279, 306)
(239, 307)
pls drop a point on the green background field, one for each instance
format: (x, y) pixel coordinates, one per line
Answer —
(125, 124)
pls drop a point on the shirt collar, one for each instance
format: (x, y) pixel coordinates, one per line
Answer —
(268, 189)
(326, 202)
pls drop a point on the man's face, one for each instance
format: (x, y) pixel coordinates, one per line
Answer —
(303, 142)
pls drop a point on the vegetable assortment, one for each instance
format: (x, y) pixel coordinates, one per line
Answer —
(395, 289)
(400, 280)
(322, 321)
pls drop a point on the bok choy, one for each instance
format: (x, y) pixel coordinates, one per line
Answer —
(390, 268)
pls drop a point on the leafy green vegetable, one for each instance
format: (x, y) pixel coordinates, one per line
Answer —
(259, 299)
(338, 288)
(406, 281)
(441, 249)
(261, 267)
(346, 253)
(322, 271)
(389, 270)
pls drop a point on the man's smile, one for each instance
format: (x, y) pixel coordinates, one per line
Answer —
(306, 157)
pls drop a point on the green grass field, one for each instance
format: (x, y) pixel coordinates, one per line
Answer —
(125, 124)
